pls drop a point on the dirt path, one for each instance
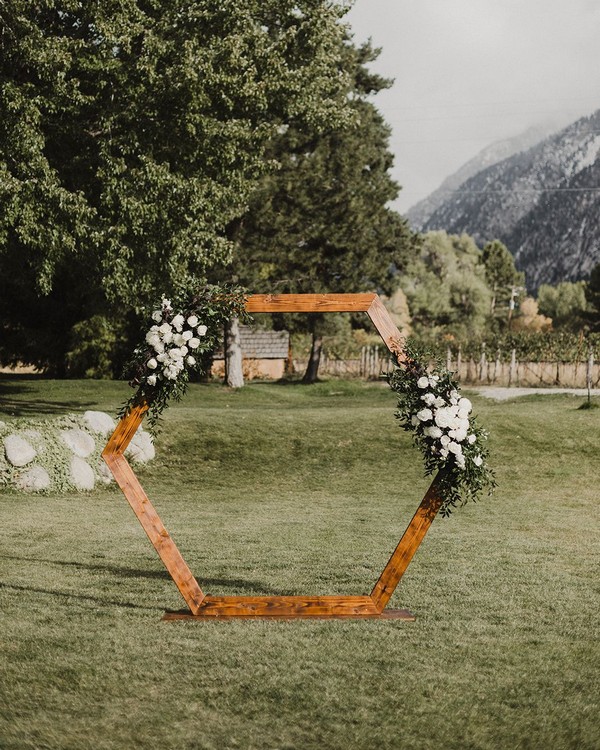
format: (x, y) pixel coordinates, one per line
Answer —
(503, 394)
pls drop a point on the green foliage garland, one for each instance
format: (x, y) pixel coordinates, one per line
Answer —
(431, 408)
(182, 331)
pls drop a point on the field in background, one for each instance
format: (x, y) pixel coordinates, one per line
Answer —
(294, 489)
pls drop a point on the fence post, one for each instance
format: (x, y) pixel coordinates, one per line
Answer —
(482, 363)
(497, 365)
(459, 359)
(513, 367)
(448, 359)
(589, 370)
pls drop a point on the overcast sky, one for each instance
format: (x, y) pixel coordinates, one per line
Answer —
(470, 72)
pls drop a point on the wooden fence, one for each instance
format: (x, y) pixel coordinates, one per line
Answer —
(500, 369)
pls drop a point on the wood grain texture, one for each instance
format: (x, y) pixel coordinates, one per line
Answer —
(407, 546)
(387, 329)
(286, 606)
(145, 511)
(271, 303)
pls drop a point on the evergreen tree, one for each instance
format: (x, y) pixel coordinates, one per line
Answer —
(502, 277)
(320, 222)
(131, 135)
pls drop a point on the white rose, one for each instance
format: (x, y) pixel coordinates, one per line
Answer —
(478, 460)
(202, 330)
(454, 396)
(460, 462)
(151, 380)
(168, 337)
(465, 405)
(439, 402)
(194, 343)
(152, 364)
(471, 438)
(445, 441)
(423, 382)
(175, 353)
(425, 415)
(192, 321)
(433, 380)
(159, 347)
(165, 328)
(429, 398)
(444, 417)
(178, 321)
(415, 421)
(152, 338)
(433, 432)
(187, 335)
(184, 350)
(191, 361)
(162, 357)
(459, 435)
(157, 315)
(444, 452)
(455, 448)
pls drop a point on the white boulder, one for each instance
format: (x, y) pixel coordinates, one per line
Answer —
(18, 451)
(34, 479)
(99, 422)
(82, 474)
(78, 441)
(141, 448)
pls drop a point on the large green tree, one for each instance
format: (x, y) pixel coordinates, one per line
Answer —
(131, 135)
(446, 287)
(503, 279)
(320, 221)
(565, 303)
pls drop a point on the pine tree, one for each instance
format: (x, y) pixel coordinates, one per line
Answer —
(321, 221)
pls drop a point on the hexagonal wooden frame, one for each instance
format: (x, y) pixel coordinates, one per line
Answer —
(205, 607)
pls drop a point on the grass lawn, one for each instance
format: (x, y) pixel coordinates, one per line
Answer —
(306, 490)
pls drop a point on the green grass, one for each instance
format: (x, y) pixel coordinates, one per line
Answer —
(294, 489)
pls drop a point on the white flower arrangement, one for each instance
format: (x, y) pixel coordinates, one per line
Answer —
(174, 343)
(430, 406)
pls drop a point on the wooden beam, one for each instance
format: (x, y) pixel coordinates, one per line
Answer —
(324, 303)
(144, 510)
(407, 546)
(286, 606)
(386, 328)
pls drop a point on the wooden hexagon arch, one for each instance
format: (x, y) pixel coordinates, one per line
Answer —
(205, 607)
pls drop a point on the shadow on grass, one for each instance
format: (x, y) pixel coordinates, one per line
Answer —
(82, 597)
(254, 587)
(11, 403)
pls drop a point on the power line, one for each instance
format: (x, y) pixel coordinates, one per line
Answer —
(524, 191)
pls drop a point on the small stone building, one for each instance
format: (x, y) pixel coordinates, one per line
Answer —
(264, 354)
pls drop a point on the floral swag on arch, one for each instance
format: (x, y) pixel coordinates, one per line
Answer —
(430, 405)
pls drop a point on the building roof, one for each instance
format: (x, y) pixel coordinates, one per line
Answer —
(262, 344)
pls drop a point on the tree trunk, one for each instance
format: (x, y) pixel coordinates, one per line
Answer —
(234, 376)
(312, 370)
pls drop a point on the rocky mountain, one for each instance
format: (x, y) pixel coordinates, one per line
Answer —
(543, 203)
(492, 154)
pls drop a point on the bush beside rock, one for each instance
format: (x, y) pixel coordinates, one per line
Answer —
(62, 455)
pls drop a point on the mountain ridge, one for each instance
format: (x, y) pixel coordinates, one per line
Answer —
(543, 203)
